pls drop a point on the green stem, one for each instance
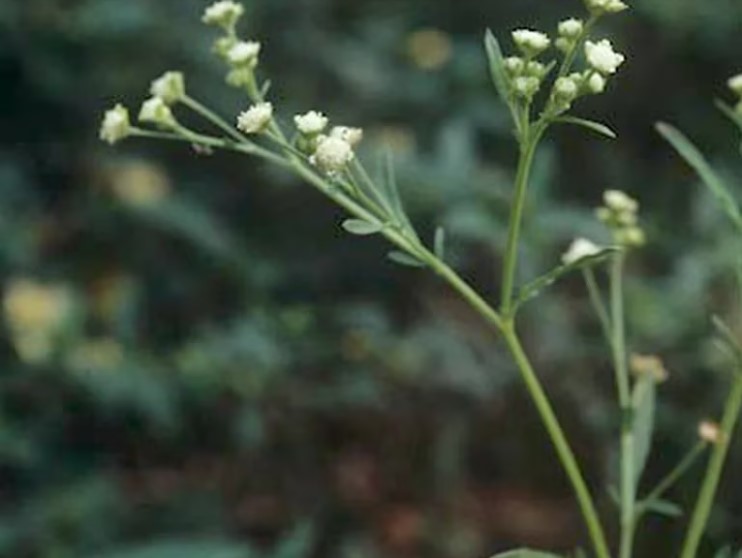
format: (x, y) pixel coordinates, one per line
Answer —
(215, 119)
(525, 162)
(675, 474)
(711, 481)
(628, 480)
(597, 301)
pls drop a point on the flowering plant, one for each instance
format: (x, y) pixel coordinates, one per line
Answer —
(540, 83)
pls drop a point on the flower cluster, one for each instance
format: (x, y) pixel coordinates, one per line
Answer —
(329, 153)
(525, 73)
(735, 84)
(620, 213)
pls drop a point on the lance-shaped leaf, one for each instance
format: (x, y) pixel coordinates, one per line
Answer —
(591, 125)
(362, 228)
(643, 402)
(663, 507)
(695, 159)
(402, 258)
(497, 72)
(534, 288)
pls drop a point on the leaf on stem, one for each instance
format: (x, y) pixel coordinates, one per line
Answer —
(360, 227)
(402, 258)
(533, 289)
(591, 125)
(695, 159)
(643, 402)
(663, 507)
(497, 65)
(728, 338)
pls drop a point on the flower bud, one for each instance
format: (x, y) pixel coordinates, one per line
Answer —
(602, 57)
(332, 155)
(531, 43)
(244, 54)
(353, 136)
(710, 432)
(311, 123)
(255, 119)
(225, 14)
(526, 87)
(535, 69)
(155, 111)
(571, 29)
(580, 248)
(514, 65)
(170, 87)
(116, 125)
(566, 90)
(596, 83)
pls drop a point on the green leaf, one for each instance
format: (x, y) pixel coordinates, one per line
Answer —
(402, 258)
(596, 127)
(643, 401)
(440, 243)
(362, 228)
(497, 65)
(525, 553)
(695, 159)
(533, 289)
(728, 338)
(664, 507)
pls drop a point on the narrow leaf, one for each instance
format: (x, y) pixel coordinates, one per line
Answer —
(728, 338)
(440, 243)
(534, 288)
(664, 507)
(405, 259)
(497, 65)
(525, 553)
(643, 400)
(596, 127)
(695, 159)
(362, 228)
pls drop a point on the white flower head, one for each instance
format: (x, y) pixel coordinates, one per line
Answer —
(531, 43)
(606, 6)
(571, 28)
(244, 54)
(602, 57)
(255, 119)
(596, 83)
(353, 136)
(620, 202)
(155, 111)
(566, 89)
(311, 123)
(116, 125)
(170, 87)
(332, 155)
(735, 84)
(580, 248)
(225, 14)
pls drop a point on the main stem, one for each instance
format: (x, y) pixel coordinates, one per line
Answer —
(628, 475)
(715, 468)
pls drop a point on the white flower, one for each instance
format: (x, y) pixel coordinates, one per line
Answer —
(735, 84)
(579, 249)
(710, 432)
(566, 89)
(155, 111)
(620, 202)
(311, 123)
(256, 118)
(571, 28)
(353, 136)
(225, 13)
(602, 57)
(596, 83)
(606, 6)
(332, 155)
(531, 42)
(170, 87)
(116, 125)
(244, 53)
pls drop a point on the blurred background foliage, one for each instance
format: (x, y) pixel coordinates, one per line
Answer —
(197, 362)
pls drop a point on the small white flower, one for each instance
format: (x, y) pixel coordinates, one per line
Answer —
(353, 136)
(244, 53)
(615, 6)
(514, 65)
(155, 111)
(116, 125)
(566, 89)
(571, 28)
(225, 13)
(256, 118)
(332, 155)
(710, 432)
(170, 87)
(580, 248)
(531, 42)
(311, 123)
(596, 83)
(620, 202)
(735, 84)
(602, 57)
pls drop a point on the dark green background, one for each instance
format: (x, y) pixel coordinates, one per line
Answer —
(285, 389)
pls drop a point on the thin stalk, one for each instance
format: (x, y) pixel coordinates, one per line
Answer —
(628, 480)
(215, 119)
(596, 299)
(525, 162)
(675, 474)
(715, 469)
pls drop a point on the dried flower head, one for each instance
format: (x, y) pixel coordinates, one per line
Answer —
(710, 432)
(642, 365)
